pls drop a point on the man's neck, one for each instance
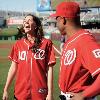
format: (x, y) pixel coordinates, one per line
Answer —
(72, 30)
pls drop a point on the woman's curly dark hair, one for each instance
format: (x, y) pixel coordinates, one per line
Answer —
(38, 33)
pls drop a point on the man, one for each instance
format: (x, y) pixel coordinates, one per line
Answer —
(79, 77)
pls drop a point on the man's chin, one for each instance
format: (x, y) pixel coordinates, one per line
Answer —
(63, 33)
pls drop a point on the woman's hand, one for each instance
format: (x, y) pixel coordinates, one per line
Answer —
(49, 96)
(5, 95)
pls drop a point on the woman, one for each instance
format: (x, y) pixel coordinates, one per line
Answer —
(32, 60)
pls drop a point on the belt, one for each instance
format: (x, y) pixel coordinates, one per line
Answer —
(67, 96)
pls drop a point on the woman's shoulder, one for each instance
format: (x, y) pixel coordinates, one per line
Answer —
(19, 41)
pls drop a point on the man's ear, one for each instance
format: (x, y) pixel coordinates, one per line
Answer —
(64, 21)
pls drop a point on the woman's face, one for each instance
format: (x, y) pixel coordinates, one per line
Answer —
(29, 25)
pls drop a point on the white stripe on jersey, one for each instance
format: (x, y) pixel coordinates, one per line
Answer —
(95, 72)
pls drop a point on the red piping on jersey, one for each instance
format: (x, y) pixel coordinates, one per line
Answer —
(13, 59)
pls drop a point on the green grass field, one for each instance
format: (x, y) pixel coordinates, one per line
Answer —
(5, 64)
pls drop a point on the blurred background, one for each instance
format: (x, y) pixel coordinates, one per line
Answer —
(12, 13)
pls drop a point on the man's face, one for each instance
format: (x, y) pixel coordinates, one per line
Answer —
(60, 24)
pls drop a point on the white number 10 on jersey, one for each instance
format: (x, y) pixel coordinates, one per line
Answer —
(22, 55)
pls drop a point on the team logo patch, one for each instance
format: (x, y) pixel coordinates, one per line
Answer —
(96, 53)
(40, 54)
(70, 56)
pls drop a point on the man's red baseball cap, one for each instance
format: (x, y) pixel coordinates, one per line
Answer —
(67, 9)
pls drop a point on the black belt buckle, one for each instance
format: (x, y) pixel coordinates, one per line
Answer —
(62, 97)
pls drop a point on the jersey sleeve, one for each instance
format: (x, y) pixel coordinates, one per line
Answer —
(14, 54)
(51, 55)
(90, 52)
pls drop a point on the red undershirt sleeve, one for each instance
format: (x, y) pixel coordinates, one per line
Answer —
(94, 89)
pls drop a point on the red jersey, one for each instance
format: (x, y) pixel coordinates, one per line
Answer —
(80, 62)
(31, 78)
